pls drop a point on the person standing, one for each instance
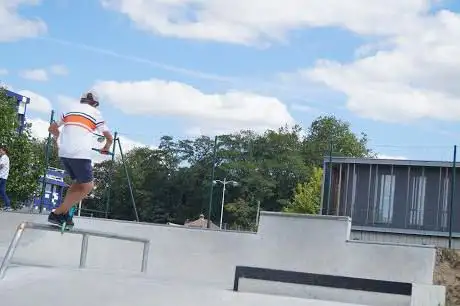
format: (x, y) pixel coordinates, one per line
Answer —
(4, 173)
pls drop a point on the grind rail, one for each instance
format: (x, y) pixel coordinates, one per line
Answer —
(84, 244)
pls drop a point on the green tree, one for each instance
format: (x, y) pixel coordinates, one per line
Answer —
(39, 147)
(307, 195)
(329, 133)
(26, 164)
(279, 168)
(242, 215)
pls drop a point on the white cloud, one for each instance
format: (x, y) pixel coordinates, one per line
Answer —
(35, 74)
(127, 145)
(13, 26)
(38, 103)
(3, 71)
(59, 70)
(416, 78)
(384, 156)
(39, 127)
(66, 101)
(226, 111)
(409, 71)
(255, 21)
(42, 74)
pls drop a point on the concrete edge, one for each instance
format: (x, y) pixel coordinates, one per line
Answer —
(140, 223)
(428, 295)
(400, 231)
(305, 216)
(420, 246)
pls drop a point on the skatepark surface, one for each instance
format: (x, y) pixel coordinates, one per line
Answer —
(197, 266)
(90, 288)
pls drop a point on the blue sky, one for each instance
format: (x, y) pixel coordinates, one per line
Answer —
(188, 67)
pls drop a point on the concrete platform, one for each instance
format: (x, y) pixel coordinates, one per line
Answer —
(203, 261)
(41, 287)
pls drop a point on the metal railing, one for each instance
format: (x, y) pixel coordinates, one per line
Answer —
(84, 244)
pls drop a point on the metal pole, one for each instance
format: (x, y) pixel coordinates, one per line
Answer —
(83, 251)
(129, 181)
(329, 180)
(79, 208)
(212, 181)
(258, 213)
(223, 200)
(47, 153)
(452, 196)
(13, 245)
(109, 187)
(145, 257)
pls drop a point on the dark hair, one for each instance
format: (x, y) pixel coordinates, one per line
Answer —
(4, 148)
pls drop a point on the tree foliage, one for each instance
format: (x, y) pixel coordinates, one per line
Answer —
(331, 135)
(307, 195)
(280, 169)
(26, 163)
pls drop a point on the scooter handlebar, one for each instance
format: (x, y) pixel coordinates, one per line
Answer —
(102, 152)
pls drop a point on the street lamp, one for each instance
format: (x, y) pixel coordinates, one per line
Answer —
(224, 183)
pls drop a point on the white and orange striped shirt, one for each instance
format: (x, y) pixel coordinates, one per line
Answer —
(79, 126)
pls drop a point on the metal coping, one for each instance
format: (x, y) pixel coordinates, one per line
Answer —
(305, 216)
(84, 245)
(322, 280)
(390, 162)
(77, 231)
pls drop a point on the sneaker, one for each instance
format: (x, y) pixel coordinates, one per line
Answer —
(69, 220)
(56, 219)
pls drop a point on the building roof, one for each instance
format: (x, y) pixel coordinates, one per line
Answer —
(200, 223)
(17, 96)
(391, 162)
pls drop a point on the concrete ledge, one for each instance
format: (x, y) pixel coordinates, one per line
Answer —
(342, 289)
(428, 295)
(305, 216)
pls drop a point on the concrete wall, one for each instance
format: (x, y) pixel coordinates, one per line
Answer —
(315, 244)
(427, 295)
(293, 242)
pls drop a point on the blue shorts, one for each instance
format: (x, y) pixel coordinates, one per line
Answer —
(79, 170)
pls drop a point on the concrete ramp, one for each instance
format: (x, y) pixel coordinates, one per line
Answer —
(207, 258)
(315, 244)
(41, 287)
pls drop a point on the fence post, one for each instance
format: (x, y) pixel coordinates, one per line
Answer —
(452, 196)
(47, 157)
(211, 189)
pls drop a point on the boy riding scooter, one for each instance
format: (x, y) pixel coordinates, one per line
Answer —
(75, 149)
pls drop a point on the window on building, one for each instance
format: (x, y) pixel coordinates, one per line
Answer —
(445, 202)
(353, 191)
(384, 209)
(417, 201)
